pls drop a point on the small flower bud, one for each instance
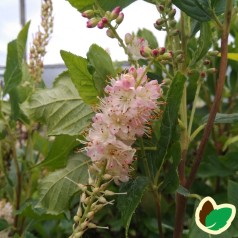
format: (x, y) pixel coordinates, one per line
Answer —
(211, 70)
(115, 13)
(110, 33)
(155, 52)
(96, 190)
(104, 20)
(92, 226)
(167, 56)
(84, 225)
(161, 50)
(179, 58)
(92, 22)
(128, 38)
(76, 219)
(145, 51)
(120, 18)
(102, 200)
(160, 8)
(100, 25)
(90, 215)
(82, 187)
(158, 27)
(160, 22)
(79, 212)
(88, 14)
(172, 13)
(172, 23)
(79, 234)
(202, 74)
(108, 176)
(83, 197)
(206, 62)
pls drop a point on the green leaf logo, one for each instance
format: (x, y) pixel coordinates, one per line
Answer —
(212, 218)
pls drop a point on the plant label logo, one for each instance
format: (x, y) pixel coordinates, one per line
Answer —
(212, 218)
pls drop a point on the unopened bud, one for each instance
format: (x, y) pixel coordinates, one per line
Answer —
(160, 22)
(202, 74)
(179, 58)
(120, 18)
(161, 50)
(88, 14)
(104, 20)
(145, 51)
(84, 225)
(211, 70)
(172, 13)
(83, 197)
(167, 56)
(158, 27)
(76, 219)
(115, 13)
(82, 187)
(79, 234)
(160, 8)
(96, 190)
(155, 52)
(110, 33)
(92, 22)
(172, 23)
(90, 214)
(102, 199)
(206, 62)
(79, 212)
(92, 226)
(108, 176)
(100, 25)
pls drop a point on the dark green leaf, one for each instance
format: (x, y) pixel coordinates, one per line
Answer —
(223, 118)
(82, 5)
(40, 143)
(56, 190)
(102, 63)
(128, 203)
(59, 151)
(200, 9)
(170, 116)
(3, 224)
(80, 76)
(204, 43)
(149, 36)
(61, 108)
(218, 218)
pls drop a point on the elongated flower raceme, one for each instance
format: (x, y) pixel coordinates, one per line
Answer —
(124, 113)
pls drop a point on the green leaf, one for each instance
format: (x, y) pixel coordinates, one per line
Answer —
(128, 203)
(170, 116)
(149, 36)
(3, 224)
(204, 43)
(59, 151)
(102, 63)
(223, 118)
(82, 5)
(218, 218)
(200, 9)
(61, 108)
(56, 190)
(16, 48)
(183, 191)
(82, 79)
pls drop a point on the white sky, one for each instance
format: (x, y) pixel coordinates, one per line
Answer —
(70, 32)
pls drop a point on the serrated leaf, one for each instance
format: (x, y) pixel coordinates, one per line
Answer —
(128, 203)
(223, 118)
(80, 76)
(149, 36)
(100, 60)
(56, 190)
(60, 108)
(170, 116)
(218, 218)
(204, 42)
(59, 151)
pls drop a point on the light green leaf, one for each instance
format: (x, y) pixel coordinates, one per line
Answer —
(56, 190)
(170, 116)
(223, 118)
(102, 63)
(149, 36)
(128, 203)
(59, 151)
(230, 141)
(204, 43)
(218, 218)
(61, 108)
(82, 79)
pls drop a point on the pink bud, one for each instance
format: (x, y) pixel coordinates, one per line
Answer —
(115, 12)
(155, 52)
(202, 74)
(145, 51)
(88, 14)
(104, 20)
(100, 25)
(92, 22)
(110, 33)
(161, 50)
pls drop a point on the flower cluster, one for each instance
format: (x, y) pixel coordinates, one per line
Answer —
(124, 114)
